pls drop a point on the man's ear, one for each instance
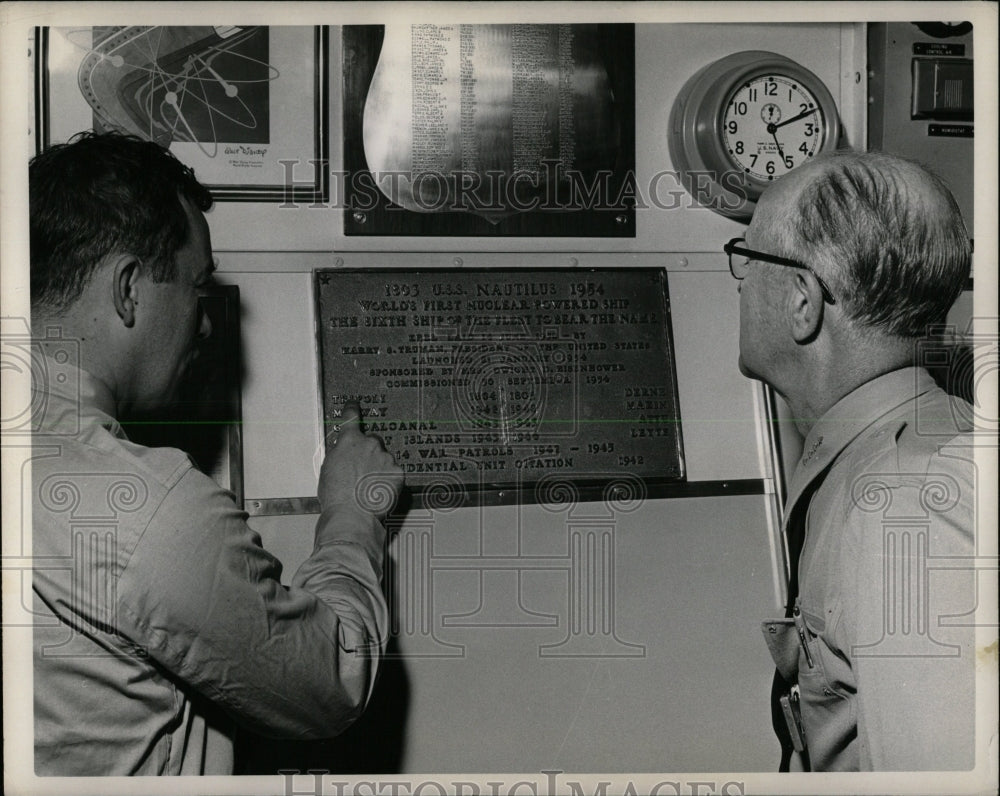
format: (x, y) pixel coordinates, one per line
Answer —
(805, 307)
(124, 278)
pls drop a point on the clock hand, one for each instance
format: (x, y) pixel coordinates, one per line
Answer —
(772, 129)
(796, 118)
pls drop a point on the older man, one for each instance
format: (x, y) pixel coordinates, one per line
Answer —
(160, 620)
(847, 264)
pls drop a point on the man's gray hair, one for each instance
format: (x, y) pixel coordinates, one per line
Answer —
(889, 236)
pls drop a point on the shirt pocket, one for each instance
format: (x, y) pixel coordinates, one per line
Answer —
(825, 680)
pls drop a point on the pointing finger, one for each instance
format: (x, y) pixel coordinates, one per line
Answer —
(350, 417)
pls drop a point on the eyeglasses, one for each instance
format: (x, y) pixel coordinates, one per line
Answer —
(740, 258)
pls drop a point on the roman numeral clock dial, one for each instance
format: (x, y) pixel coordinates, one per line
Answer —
(744, 121)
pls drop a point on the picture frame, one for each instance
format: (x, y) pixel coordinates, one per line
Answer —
(592, 195)
(245, 106)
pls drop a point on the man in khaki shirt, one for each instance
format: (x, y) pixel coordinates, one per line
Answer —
(848, 263)
(160, 621)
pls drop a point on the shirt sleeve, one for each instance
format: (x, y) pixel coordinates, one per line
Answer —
(913, 594)
(205, 600)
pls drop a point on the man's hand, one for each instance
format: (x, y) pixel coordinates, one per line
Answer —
(357, 470)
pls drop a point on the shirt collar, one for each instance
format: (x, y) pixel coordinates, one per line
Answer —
(75, 391)
(847, 419)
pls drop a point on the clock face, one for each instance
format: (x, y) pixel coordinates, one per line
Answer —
(770, 125)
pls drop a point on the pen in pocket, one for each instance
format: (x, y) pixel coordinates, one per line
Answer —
(800, 628)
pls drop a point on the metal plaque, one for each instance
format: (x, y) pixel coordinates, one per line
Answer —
(496, 386)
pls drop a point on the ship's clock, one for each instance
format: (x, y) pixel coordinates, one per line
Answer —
(742, 122)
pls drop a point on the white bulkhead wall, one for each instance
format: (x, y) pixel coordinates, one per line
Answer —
(487, 686)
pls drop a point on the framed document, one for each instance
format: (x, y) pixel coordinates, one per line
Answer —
(244, 106)
(489, 386)
(489, 130)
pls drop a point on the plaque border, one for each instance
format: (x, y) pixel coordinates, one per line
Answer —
(525, 493)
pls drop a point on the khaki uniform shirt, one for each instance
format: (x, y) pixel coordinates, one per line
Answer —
(882, 650)
(160, 619)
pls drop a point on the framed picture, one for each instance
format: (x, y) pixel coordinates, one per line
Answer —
(245, 106)
(206, 420)
(489, 130)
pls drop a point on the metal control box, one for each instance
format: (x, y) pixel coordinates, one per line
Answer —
(920, 99)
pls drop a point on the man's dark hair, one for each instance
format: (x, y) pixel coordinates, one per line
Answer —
(100, 194)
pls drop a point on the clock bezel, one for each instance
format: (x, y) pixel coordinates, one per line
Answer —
(696, 128)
